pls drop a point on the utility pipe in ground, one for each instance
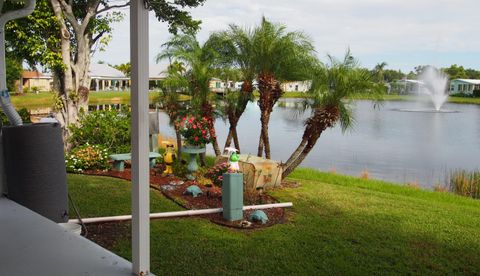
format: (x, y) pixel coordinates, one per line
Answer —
(181, 213)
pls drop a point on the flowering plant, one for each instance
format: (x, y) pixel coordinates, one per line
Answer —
(195, 130)
(87, 157)
(216, 173)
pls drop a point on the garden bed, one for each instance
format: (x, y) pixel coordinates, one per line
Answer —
(174, 189)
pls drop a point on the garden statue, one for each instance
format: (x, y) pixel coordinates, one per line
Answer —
(196, 134)
(233, 159)
(169, 157)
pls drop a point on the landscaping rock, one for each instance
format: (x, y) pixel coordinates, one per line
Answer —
(193, 190)
(259, 215)
(168, 188)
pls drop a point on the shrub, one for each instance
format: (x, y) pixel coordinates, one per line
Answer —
(87, 157)
(24, 114)
(465, 183)
(108, 128)
(215, 174)
(476, 93)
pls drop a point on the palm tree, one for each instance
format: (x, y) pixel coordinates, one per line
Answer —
(199, 61)
(278, 55)
(235, 50)
(379, 71)
(331, 87)
(174, 83)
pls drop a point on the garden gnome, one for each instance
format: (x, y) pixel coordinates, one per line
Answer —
(233, 160)
(169, 157)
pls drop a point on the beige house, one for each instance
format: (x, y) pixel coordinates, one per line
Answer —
(34, 80)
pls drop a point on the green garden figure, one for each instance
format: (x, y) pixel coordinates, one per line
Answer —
(233, 160)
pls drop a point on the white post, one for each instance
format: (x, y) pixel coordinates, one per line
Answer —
(140, 151)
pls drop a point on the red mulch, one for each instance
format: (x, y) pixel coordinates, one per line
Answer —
(174, 189)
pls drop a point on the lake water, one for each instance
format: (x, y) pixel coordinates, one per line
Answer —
(391, 145)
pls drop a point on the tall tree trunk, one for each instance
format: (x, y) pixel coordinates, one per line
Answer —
(228, 141)
(270, 92)
(265, 119)
(235, 139)
(179, 141)
(207, 112)
(306, 150)
(321, 119)
(260, 145)
(216, 148)
(295, 154)
(74, 81)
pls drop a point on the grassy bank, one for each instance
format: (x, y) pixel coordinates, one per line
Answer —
(45, 99)
(339, 225)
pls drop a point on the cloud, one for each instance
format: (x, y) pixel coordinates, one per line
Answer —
(373, 29)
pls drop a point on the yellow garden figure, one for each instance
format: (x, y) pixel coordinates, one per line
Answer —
(169, 157)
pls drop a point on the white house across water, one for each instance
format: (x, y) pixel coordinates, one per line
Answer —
(464, 86)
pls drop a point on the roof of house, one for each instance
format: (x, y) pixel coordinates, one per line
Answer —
(105, 71)
(471, 81)
(34, 75)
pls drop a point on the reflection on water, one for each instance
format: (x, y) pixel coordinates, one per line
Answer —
(396, 146)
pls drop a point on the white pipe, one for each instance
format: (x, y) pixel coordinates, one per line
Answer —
(181, 213)
(7, 107)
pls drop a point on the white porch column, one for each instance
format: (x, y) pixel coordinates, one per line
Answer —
(140, 151)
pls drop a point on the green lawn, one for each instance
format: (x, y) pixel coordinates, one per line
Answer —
(339, 225)
(45, 99)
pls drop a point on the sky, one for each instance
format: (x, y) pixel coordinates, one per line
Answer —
(402, 33)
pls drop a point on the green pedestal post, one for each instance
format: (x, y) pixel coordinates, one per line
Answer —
(192, 166)
(232, 196)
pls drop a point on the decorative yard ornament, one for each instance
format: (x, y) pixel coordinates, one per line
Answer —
(233, 159)
(169, 157)
(193, 190)
(259, 216)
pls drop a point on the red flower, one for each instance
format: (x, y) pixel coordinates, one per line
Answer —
(196, 139)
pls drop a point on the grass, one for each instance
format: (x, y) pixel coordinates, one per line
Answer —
(45, 99)
(339, 225)
(465, 183)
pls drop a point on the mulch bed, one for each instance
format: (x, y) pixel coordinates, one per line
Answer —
(107, 234)
(174, 189)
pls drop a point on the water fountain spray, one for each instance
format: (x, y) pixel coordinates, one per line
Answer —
(435, 85)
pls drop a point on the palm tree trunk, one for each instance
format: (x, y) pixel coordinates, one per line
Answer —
(296, 153)
(266, 141)
(179, 142)
(270, 92)
(321, 119)
(288, 170)
(228, 142)
(202, 159)
(216, 148)
(260, 146)
(235, 139)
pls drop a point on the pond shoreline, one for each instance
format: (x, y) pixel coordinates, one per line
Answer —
(45, 99)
